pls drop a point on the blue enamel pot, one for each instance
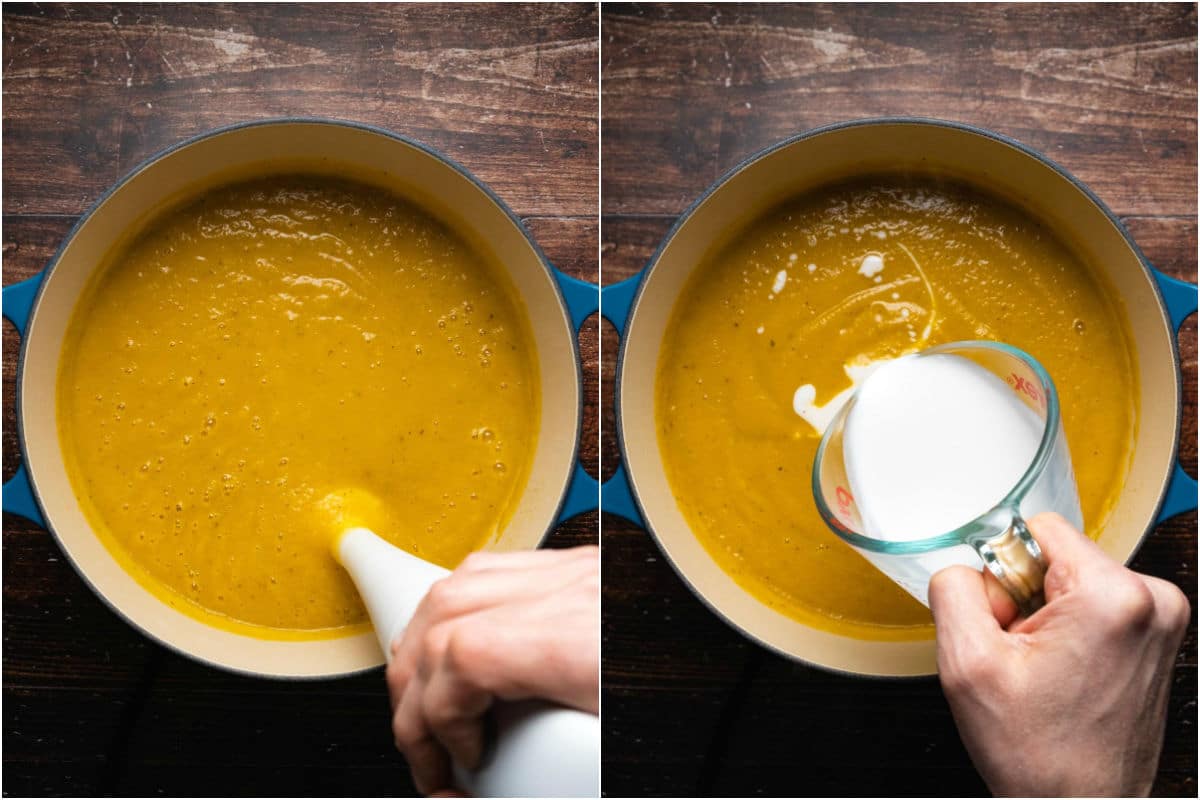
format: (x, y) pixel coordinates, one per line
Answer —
(41, 307)
(1154, 304)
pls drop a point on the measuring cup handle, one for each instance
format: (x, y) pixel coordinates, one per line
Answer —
(1014, 557)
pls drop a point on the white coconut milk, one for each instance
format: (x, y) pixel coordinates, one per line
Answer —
(932, 443)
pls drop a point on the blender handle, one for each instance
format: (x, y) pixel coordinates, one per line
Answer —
(1179, 298)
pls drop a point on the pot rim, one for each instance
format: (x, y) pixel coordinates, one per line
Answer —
(220, 131)
(758, 155)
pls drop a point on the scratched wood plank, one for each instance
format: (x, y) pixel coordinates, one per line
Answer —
(510, 92)
(691, 90)
(91, 706)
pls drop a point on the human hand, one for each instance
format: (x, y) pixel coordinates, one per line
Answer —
(1072, 700)
(503, 626)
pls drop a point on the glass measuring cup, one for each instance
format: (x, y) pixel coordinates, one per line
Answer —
(998, 537)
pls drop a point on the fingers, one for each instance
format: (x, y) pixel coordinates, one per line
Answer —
(1004, 608)
(454, 705)
(1068, 553)
(1059, 539)
(525, 559)
(427, 759)
(485, 581)
(1116, 600)
(457, 596)
(970, 641)
(501, 627)
(437, 714)
(962, 604)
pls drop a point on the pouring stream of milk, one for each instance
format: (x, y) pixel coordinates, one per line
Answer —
(805, 397)
(804, 401)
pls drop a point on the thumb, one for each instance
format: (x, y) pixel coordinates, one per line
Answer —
(963, 609)
(1068, 553)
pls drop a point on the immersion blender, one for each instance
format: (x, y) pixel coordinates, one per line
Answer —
(538, 749)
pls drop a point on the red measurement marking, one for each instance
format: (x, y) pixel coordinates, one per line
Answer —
(844, 500)
(1027, 388)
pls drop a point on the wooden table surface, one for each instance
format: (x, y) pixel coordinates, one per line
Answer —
(90, 705)
(690, 707)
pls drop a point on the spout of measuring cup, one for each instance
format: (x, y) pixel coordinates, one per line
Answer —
(390, 581)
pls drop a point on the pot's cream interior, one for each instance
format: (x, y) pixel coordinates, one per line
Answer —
(341, 150)
(986, 162)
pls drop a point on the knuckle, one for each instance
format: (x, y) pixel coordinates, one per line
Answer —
(399, 674)
(1177, 611)
(589, 552)
(438, 715)
(590, 582)
(465, 647)
(1183, 610)
(941, 582)
(404, 732)
(1130, 603)
(476, 561)
(1048, 519)
(442, 598)
(1061, 578)
(433, 645)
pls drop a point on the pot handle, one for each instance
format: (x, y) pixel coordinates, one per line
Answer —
(18, 301)
(19, 499)
(18, 492)
(616, 495)
(586, 493)
(1180, 300)
(583, 300)
(582, 496)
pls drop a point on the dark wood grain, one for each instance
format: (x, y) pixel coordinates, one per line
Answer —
(92, 90)
(90, 706)
(691, 90)
(1109, 91)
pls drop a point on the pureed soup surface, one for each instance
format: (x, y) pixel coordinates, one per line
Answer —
(252, 355)
(811, 292)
